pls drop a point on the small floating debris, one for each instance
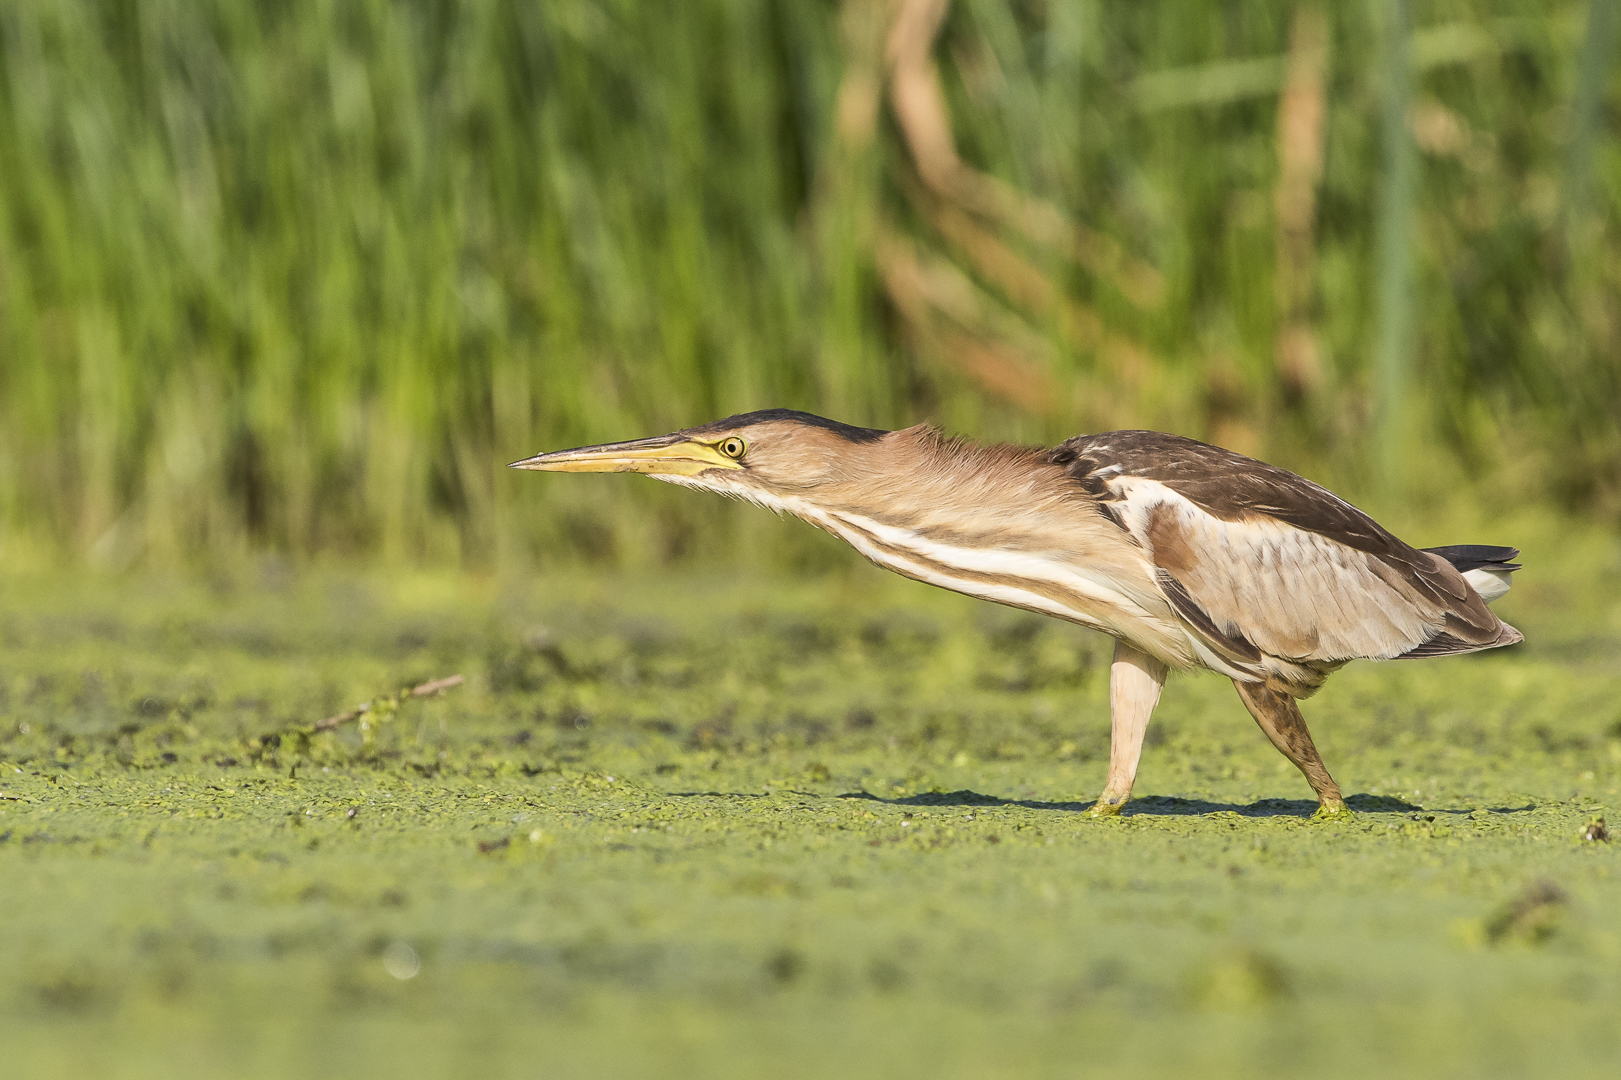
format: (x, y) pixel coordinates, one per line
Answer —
(1532, 917)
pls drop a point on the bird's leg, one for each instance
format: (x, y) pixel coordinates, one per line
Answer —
(1280, 718)
(1135, 679)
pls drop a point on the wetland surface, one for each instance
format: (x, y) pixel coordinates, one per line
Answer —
(694, 828)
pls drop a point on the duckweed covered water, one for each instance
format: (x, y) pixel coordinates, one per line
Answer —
(700, 829)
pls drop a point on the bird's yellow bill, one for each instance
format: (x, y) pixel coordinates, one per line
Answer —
(666, 455)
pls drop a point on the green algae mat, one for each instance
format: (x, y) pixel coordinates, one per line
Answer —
(696, 828)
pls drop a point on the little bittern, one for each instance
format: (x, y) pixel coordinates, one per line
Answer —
(1189, 555)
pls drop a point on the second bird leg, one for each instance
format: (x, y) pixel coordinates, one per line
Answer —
(1280, 718)
(1135, 679)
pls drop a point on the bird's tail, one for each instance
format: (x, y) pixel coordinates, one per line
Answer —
(1487, 569)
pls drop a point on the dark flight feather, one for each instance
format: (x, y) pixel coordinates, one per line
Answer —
(1466, 557)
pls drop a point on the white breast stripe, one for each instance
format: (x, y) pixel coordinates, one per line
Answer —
(1115, 612)
(1004, 594)
(1010, 563)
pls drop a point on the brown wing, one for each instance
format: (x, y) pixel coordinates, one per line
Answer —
(1270, 558)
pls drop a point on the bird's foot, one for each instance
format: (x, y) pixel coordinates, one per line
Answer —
(1334, 810)
(1107, 805)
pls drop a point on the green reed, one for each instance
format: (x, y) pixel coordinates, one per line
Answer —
(303, 275)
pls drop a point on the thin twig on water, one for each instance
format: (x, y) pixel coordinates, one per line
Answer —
(427, 688)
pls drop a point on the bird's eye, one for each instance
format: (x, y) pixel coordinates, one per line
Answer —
(732, 448)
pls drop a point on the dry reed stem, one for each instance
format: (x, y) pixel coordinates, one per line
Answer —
(946, 312)
(1078, 324)
(927, 294)
(920, 110)
(1301, 110)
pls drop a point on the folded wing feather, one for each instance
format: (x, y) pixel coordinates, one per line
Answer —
(1270, 559)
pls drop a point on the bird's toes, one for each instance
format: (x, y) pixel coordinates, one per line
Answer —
(1334, 812)
(1106, 807)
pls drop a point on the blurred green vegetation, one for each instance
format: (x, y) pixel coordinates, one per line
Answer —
(303, 275)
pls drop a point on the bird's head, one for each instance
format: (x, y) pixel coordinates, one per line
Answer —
(763, 456)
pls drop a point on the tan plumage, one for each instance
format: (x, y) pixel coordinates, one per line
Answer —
(1189, 555)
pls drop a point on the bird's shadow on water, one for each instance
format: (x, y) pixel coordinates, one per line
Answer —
(1149, 806)
(1170, 806)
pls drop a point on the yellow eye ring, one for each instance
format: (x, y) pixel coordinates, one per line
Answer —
(732, 448)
